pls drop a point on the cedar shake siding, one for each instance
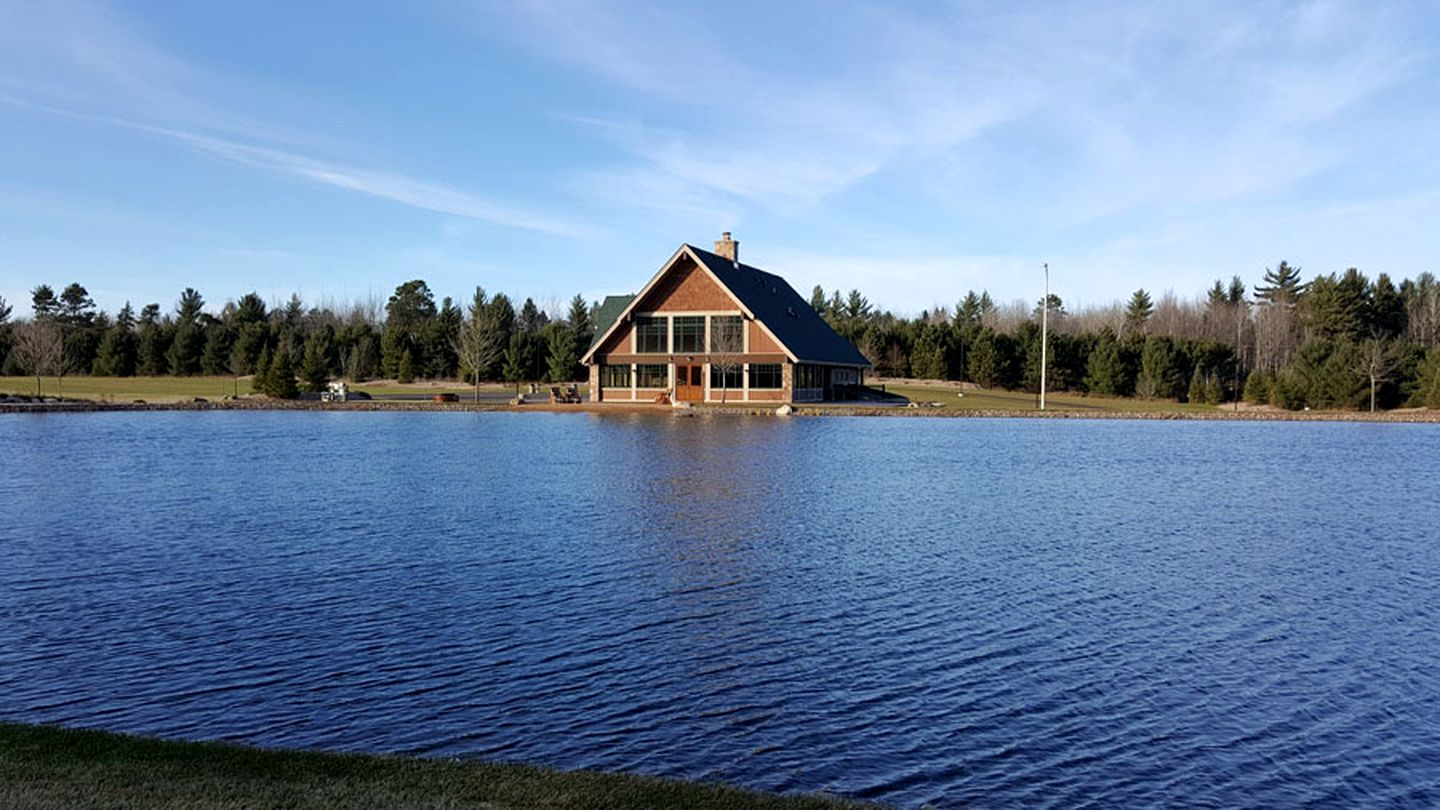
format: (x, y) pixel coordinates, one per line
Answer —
(707, 328)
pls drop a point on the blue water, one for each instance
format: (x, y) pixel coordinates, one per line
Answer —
(1008, 613)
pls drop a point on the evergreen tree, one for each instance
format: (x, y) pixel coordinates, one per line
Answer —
(818, 301)
(251, 339)
(394, 346)
(857, 306)
(410, 308)
(43, 302)
(281, 379)
(985, 363)
(215, 359)
(186, 349)
(438, 338)
(261, 383)
(1139, 311)
(969, 311)
(7, 335)
(1388, 318)
(518, 358)
(315, 371)
(1159, 369)
(1427, 384)
(405, 368)
(1258, 387)
(1195, 392)
(154, 340)
(532, 319)
(1214, 390)
(928, 358)
(76, 307)
(1282, 285)
(563, 357)
(1105, 370)
(581, 323)
(117, 354)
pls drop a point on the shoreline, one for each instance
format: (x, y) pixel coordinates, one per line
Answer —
(44, 766)
(1406, 416)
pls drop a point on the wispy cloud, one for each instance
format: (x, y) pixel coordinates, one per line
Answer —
(384, 185)
(82, 61)
(1176, 105)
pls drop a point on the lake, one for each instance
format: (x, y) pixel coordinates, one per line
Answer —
(1005, 612)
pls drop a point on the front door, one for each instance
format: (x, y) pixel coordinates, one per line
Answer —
(689, 383)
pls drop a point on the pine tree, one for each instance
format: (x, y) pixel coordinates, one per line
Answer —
(1214, 390)
(1159, 369)
(405, 369)
(1282, 285)
(1105, 371)
(581, 323)
(1139, 311)
(282, 375)
(518, 359)
(1257, 387)
(928, 356)
(562, 359)
(215, 360)
(315, 371)
(260, 383)
(1195, 393)
(818, 301)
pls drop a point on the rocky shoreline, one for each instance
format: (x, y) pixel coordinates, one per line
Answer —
(13, 404)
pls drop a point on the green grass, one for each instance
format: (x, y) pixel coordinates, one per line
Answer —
(43, 768)
(179, 389)
(125, 389)
(996, 400)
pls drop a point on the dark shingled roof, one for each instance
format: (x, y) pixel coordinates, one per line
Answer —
(610, 309)
(788, 316)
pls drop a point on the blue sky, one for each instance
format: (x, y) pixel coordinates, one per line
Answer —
(547, 148)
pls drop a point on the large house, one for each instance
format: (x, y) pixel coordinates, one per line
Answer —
(707, 328)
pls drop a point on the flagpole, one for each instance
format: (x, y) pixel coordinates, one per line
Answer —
(1044, 334)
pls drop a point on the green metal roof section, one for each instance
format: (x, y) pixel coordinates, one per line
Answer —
(788, 316)
(605, 316)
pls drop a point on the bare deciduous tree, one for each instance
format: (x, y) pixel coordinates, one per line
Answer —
(727, 349)
(1375, 363)
(40, 349)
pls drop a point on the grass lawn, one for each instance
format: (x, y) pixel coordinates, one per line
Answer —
(43, 768)
(997, 400)
(177, 389)
(125, 389)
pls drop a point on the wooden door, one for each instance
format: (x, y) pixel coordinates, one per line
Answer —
(689, 383)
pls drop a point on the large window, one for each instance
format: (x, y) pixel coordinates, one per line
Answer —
(727, 334)
(689, 334)
(725, 376)
(652, 375)
(765, 375)
(652, 335)
(615, 376)
(807, 376)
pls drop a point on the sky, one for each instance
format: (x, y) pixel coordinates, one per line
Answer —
(545, 148)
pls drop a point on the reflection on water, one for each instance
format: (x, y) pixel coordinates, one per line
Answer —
(1010, 613)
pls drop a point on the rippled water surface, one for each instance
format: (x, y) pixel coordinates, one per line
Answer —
(1033, 613)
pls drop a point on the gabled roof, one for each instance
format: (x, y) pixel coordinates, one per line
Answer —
(606, 316)
(794, 323)
(769, 299)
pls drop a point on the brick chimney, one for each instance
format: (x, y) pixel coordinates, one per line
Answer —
(728, 248)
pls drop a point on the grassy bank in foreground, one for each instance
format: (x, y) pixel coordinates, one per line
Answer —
(184, 389)
(45, 767)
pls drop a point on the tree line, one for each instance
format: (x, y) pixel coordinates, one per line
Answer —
(290, 348)
(1339, 340)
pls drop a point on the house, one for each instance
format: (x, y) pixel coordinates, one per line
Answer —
(707, 328)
